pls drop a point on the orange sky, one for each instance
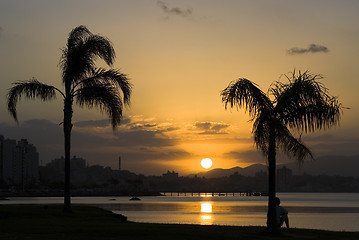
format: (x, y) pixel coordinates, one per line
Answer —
(179, 56)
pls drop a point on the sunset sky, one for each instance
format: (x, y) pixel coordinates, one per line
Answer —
(179, 55)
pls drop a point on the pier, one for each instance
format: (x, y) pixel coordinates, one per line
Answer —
(216, 193)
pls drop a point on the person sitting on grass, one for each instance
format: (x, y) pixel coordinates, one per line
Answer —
(282, 214)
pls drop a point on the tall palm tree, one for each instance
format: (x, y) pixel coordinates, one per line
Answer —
(303, 104)
(108, 90)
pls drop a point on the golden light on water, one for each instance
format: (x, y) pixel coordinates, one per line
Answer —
(206, 216)
(206, 207)
(206, 219)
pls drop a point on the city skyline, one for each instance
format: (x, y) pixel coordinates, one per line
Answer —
(326, 165)
(19, 162)
(179, 55)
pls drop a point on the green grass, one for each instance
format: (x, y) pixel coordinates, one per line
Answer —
(36, 222)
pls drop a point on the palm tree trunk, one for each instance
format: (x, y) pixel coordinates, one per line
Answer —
(67, 134)
(272, 213)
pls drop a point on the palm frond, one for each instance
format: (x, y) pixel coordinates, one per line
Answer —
(305, 104)
(101, 47)
(83, 49)
(292, 146)
(94, 87)
(246, 94)
(105, 97)
(312, 117)
(78, 34)
(264, 125)
(111, 76)
(261, 129)
(29, 89)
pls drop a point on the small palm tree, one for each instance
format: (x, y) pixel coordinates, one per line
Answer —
(83, 82)
(303, 104)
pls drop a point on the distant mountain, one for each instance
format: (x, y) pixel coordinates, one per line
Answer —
(330, 165)
(220, 172)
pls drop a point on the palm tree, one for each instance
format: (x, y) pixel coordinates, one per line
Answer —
(83, 82)
(303, 104)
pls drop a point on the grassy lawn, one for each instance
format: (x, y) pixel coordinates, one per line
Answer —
(37, 222)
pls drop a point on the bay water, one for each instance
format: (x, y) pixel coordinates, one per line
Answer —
(327, 211)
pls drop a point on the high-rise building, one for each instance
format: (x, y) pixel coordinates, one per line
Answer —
(284, 178)
(75, 163)
(19, 162)
(8, 155)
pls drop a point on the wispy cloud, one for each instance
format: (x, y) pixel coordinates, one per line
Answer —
(174, 10)
(312, 48)
(211, 127)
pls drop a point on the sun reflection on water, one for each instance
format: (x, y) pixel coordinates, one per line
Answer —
(206, 216)
(206, 207)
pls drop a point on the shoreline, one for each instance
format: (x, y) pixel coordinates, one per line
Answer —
(88, 223)
(326, 212)
(75, 193)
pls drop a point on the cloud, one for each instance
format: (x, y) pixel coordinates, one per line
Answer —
(251, 156)
(327, 144)
(133, 132)
(210, 127)
(94, 123)
(254, 156)
(312, 48)
(142, 143)
(46, 136)
(151, 162)
(151, 154)
(175, 10)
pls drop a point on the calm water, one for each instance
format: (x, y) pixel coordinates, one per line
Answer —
(328, 211)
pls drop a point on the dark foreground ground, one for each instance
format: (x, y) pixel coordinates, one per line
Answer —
(49, 222)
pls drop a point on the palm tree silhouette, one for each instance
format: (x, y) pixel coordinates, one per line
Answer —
(83, 82)
(303, 105)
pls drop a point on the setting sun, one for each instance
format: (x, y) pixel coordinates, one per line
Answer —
(206, 162)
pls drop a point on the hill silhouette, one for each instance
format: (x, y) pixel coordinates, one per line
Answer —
(220, 172)
(329, 165)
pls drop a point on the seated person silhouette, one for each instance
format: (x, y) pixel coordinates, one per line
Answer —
(282, 214)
